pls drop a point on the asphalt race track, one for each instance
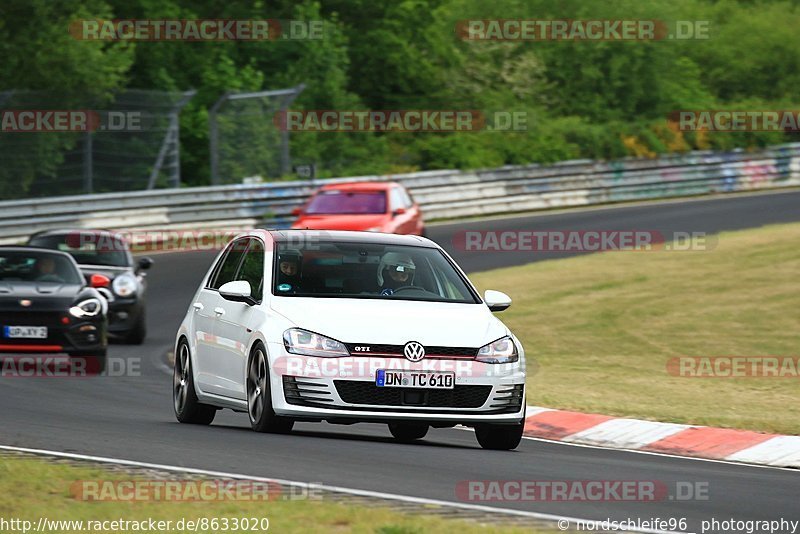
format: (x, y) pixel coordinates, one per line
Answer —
(131, 417)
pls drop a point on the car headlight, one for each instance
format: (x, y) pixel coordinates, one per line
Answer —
(298, 341)
(86, 308)
(124, 285)
(504, 350)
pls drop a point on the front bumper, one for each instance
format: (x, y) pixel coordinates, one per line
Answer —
(123, 315)
(344, 390)
(76, 337)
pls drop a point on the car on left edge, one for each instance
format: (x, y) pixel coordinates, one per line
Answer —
(108, 254)
(47, 306)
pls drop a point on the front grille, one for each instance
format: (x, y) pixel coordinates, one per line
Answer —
(301, 391)
(367, 393)
(397, 350)
(32, 318)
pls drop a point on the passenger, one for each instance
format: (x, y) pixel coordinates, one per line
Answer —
(289, 271)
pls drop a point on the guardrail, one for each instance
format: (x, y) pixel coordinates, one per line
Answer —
(442, 194)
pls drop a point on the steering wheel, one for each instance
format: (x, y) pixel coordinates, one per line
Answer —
(389, 291)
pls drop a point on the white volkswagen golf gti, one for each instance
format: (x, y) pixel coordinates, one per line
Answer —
(348, 327)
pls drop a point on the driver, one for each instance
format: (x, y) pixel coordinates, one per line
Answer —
(396, 270)
(46, 270)
(289, 264)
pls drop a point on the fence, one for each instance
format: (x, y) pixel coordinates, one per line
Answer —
(131, 142)
(442, 194)
(244, 139)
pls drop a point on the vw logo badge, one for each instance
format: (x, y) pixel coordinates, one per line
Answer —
(414, 351)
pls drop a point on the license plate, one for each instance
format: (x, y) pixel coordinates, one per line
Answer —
(388, 378)
(25, 332)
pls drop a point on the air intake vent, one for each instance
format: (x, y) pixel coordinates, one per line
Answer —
(301, 390)
(509, 397)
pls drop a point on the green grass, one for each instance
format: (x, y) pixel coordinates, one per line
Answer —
(33, 488)
(598, 330)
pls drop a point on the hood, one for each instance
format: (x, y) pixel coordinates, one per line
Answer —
(43, 296)
(393, 322)
(341, 222)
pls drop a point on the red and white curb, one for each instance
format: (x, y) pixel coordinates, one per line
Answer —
(666, 438)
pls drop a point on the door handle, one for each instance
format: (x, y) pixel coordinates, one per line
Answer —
(197, 306)
(219, 311)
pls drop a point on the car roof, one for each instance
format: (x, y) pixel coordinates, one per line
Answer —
(62, 231)
(359, 186)
(351, 237)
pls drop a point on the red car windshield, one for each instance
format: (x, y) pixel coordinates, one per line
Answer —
(347, 202)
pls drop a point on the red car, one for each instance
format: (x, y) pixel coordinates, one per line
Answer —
(365, 206)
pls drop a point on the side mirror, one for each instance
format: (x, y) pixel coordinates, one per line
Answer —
(145, 263)
(398, 211)
(237, 291)
(297, 211)
(99, 280)
(496, 300)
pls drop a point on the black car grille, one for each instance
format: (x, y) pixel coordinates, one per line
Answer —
(397, 350)
(32, 318)
(367, 393)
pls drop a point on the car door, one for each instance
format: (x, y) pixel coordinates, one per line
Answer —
(207, 309)
(235, 325)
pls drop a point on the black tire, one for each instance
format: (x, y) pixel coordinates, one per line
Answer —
(91, 362)
(138, 333)
(184, 398)
(500, 437)
(408, 432)
(259, 396)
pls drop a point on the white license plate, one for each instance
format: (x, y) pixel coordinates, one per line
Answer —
(388, 378)
(25, 332)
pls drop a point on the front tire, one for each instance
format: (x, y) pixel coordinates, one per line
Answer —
(500, 437)
(259, 397)
(184, 398)
(408, 432)
(138, 333)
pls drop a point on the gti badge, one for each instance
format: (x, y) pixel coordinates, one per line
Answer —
(414, 351)
(25, 303)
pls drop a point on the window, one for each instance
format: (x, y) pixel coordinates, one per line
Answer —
(368, 270)
(28, 266)
(88, 248)
(252, 269)
(226, 272)
(396, 199)
(407, 202)
(335, 202)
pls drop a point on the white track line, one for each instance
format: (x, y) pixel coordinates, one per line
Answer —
(323, 487)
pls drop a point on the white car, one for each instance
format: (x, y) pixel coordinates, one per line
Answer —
(347, 327)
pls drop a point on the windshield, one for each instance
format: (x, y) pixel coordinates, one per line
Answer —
(366, 270)
(347, 202)
(87, 248)
(37, 267)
